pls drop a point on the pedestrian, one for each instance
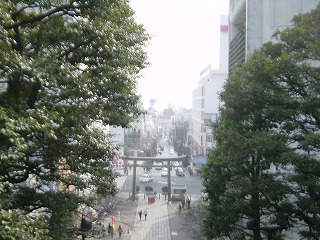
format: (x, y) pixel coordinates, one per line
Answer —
(109, 229)
(183, 202)
(145, 214)
(140, 214)
(120, 231)
(188, 202)
(180, 207)
(112, 231)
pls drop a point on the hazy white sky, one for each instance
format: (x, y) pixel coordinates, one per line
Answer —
(185, 41)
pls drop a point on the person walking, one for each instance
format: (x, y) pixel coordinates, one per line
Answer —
(112, 231)
(188, 202)
(183, 202)
(145, 214)
(180, 207)
(109, 229)
(140, 214)
(120, 231)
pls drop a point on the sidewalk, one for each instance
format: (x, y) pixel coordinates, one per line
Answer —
(156, 227)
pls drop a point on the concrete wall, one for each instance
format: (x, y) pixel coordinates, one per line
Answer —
(262, 17)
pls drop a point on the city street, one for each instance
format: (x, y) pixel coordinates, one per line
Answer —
(193, 182)
(178, 225)
(177, 222)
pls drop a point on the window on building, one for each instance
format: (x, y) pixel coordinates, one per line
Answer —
(209, 138)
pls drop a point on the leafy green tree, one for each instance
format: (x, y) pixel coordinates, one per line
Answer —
(301, 46)
(247, 146)
(17, 224)
(68, 66)
(180, 137)
(264, 169)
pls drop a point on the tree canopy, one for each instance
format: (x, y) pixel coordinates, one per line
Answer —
(69, 65)
(263, 173)
(179, 137)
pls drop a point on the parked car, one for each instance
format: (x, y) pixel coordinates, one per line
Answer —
(179, 169)
(164, 172)
(145, 178)
(180, 172)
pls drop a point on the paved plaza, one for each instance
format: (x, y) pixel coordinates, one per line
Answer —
(155, 227)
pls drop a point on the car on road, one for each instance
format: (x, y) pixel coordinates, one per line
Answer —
(171, 151)
(175, 164)
(180, 172)
(145, 178)
(164, 172)
(158, 167)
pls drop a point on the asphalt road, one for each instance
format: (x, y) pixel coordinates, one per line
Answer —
(193, 183)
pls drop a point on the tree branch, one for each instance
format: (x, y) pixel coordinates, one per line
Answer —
(64, 8)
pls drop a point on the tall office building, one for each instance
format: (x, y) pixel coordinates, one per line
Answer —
(253, 22)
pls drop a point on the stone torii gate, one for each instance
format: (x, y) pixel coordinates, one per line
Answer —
(150, 159)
